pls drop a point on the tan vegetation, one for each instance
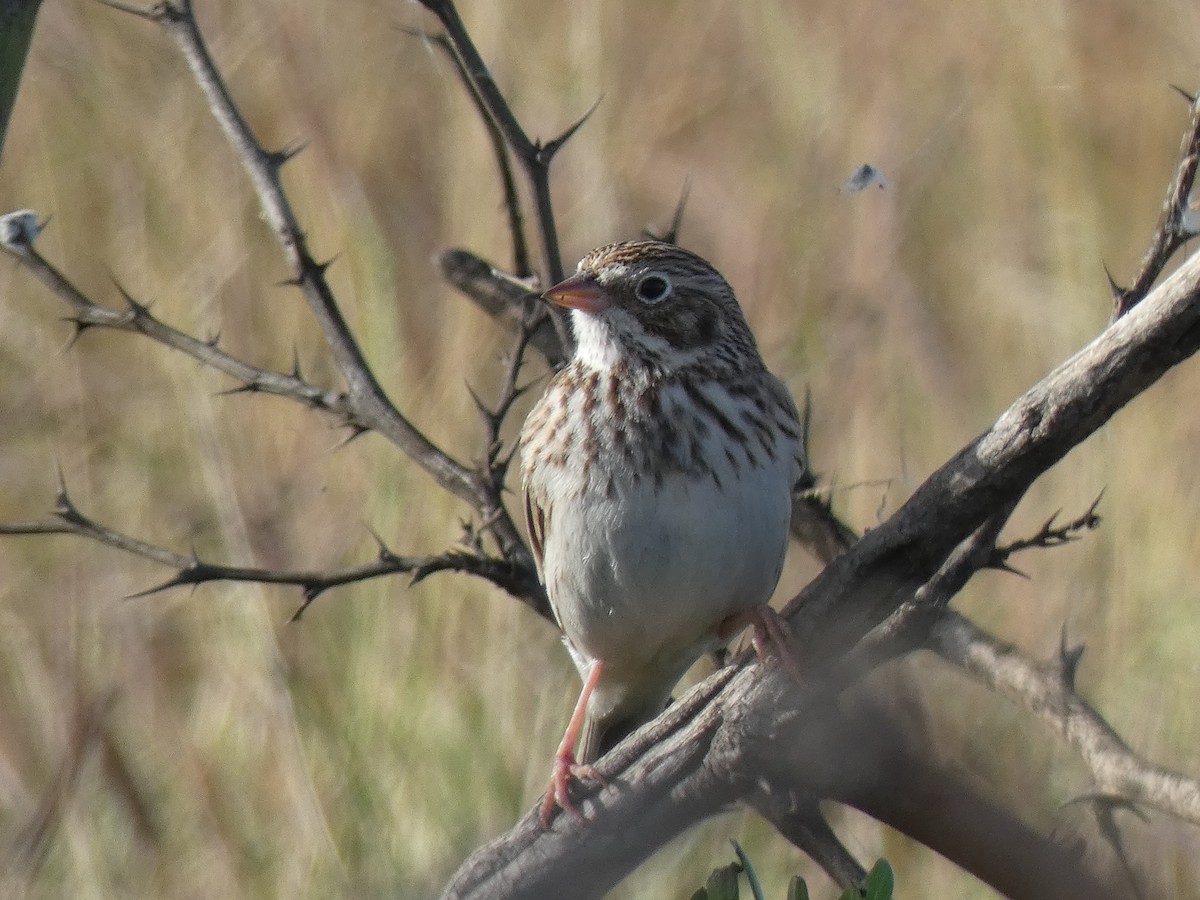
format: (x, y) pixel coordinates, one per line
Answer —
(366, 749)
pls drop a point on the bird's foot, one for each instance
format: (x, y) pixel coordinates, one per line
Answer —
(768, 629)
(559, 792)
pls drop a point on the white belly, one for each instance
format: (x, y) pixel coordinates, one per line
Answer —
(642, 579)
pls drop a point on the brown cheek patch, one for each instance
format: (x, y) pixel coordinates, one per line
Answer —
(684, 327)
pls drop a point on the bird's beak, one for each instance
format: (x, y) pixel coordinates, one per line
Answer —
(581, 292)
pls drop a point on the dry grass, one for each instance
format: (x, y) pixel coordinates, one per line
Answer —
(365, 750)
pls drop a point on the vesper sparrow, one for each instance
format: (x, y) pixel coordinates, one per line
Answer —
(657, 468)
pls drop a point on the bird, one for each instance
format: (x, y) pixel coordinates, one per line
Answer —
(657, 470)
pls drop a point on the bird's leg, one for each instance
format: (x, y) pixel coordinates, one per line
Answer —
(565, 766)
(768, 629)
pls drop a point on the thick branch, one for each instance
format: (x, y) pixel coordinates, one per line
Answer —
(1041, 427)
(503, 298)
(681, 767)
(865, 585)
(888, 772)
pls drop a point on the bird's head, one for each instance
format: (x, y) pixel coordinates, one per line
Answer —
(653, 304)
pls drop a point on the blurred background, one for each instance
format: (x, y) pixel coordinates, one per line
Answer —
(197, 743)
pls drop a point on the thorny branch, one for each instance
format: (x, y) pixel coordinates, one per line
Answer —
(67, 519)
(1049, 535)
(1178, 222)
(17, 233)
(512, 199)
(1048, 690)
(534, 156)
(370, 403)
(363, 406)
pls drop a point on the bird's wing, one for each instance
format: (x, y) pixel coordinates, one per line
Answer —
(535, 522)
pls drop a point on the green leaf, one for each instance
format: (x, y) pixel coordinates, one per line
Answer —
(722, 884)
(17, 18)
(881, 883)
(797, 889)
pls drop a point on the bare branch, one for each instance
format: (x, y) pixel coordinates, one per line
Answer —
(907, 627)
(1050, 535)
(535, 158)
(1174, 226)
(1042, 689)
(800, 820)
(751, 733)
(1056, 414)
(709, 760)
(512, 200)
(504, 298)
(371, 405)
(191, 570)
(138, 319)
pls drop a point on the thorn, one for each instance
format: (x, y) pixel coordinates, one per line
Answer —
(149, 13)
(1118, 292)
(296, 363)
(1048, 525)
(286, 154)
(1091, 519)
(423, 571)
(137, 310)
(290, 282)
(248, 388)
(63, 505)
(672, 236)
(1005, 566)
(547, 152)
(1190, 98)
(1068, 659)
(77, 331)
(311, 593)
(214, 339)
(470, 536)
(320, 268)
(356, 431)
(178, 580)
(385, 552)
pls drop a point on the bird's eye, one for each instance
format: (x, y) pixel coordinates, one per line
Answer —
(653, 289)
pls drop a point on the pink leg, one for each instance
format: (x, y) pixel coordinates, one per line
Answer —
(565, 767)
(769, 629)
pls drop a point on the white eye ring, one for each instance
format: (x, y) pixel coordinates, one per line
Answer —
(653, 288)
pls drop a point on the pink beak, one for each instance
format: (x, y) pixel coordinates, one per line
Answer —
(581, 292)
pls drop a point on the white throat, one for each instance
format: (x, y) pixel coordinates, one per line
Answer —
(596, 347)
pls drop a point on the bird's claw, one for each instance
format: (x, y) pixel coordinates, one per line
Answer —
(767, 629)
(559, 793)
